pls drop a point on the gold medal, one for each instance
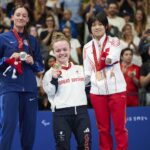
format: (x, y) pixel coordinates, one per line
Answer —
(98, 75)
(112, 74)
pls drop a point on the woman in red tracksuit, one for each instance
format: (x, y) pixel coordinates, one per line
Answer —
(131, 74)
(108, 87)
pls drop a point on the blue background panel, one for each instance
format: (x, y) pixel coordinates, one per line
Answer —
(138, 125)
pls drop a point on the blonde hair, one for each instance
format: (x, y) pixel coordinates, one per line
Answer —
(58, 36)
(124, 29)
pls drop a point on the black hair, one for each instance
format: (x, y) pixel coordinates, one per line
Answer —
(46, 61)
(113, 2)
(126, 49)
(53, 19)
(101, 17)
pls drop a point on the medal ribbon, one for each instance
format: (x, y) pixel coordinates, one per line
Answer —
(66, 68)
(19, 39)
(97, 63)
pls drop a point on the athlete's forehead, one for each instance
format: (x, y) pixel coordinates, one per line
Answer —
(61, 45)
(21, 10)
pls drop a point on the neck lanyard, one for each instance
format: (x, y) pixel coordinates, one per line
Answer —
(66, 68)
(97, 63)
(19, 39)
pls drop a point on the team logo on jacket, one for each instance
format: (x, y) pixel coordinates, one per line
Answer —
(25, 42)
(77, 71)
(87, 130)
(61, 136)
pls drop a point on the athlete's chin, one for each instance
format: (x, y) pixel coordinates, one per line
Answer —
(98, 34)
(62, 61)
(129, 61)
(20, 25)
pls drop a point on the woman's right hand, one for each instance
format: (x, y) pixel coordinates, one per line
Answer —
(56, 73)
(56, 70)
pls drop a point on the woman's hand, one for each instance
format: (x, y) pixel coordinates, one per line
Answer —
(132, 74)
(15, 55)
(56, 73)
(108, 61)
(29, 60)
(56, 70)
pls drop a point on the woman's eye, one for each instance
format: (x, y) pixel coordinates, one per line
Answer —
(64, 49)
(18, 15)
(57, 51)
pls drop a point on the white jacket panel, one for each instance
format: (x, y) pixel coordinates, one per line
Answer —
(110, 84)
(71, 88)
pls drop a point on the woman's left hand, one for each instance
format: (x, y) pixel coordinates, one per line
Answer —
(29, 60)
(132, 74)
(108, 61)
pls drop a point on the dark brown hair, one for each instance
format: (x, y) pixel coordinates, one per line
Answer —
(126, 49)
(20, 5)
(101, 17)
(25, 6)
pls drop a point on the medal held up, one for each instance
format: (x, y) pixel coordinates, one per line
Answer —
(57, 70)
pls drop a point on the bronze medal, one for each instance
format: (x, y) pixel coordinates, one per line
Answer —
(112, 74)
(98, 75)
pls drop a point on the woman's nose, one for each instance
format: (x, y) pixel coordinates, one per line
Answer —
(61, 52)
(20, 17)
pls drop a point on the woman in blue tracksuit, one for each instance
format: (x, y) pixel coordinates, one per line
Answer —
(20, 60)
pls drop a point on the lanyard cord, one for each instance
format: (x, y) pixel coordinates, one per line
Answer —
(98, 63)
(19, 39)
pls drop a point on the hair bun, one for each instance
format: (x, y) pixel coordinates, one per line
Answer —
(58, 36)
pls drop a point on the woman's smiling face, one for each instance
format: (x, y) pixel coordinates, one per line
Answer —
(62, 51)
(98, 29)
(20, 17)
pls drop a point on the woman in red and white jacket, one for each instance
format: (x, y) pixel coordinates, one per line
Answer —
(108, 87)
(65, 86)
